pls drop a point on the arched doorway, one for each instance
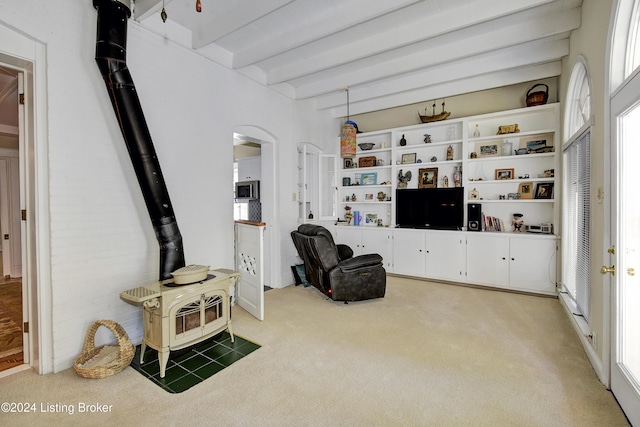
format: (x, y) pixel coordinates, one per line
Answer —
(269, 195)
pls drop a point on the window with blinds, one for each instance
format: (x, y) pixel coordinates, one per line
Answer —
(576, 219)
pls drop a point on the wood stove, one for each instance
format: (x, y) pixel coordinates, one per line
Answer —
(176, 317)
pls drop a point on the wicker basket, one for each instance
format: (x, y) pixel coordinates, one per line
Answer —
(539, 97)
(106, 360)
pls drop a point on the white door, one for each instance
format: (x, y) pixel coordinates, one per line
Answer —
(625, 205)
(249, 262)
(4, 218)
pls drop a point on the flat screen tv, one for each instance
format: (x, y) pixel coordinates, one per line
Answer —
(437, 208)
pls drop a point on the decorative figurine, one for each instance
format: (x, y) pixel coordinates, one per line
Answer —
(434, 159)
(517, 223)
(476, 132)
(449, 153)
(403, 141)
(348, 215)
(473, 194)
(381, 196)
(445, 181)
(353, 197)
(310, 215)
(427, 138)
(403, 179)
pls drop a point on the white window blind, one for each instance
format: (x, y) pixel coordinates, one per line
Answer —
(576, 219)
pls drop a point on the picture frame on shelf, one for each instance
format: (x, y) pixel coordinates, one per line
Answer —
(544, 190)
(347, 163)
(428, 178)
(408, 158)
(513, 196)
(488, 149)
(504, 173)
(346, 181)
(526, 190)
(369, 178)
(538, 143)
(368, 196)
(370, 219)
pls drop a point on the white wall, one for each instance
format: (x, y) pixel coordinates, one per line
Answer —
(102, 241)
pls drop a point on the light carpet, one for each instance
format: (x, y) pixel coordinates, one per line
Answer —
(427, 354)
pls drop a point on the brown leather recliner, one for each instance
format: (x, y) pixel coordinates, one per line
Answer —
(334, 270)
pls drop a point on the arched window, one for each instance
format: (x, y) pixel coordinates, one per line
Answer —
(632, 54)
(578, 107)
(576, 188)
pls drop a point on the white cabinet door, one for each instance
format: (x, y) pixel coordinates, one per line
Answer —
(350, 236)
(367, 241)
(533, 264)
(409, 252)
(378, 241)
(446, 255)
(488, 259)
(250, 168)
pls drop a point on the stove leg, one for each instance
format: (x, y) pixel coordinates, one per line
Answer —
(163, 358)
(143, 347)
(230, 329)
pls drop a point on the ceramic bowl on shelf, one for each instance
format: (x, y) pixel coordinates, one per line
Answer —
(366, 146)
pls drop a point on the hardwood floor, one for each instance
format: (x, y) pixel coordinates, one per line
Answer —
(11, 347)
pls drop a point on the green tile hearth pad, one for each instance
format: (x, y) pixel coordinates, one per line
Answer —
(192, 365)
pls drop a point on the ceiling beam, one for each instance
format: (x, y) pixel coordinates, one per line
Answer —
(404, 27)
(242, 14)
(485, 38)
(453, 88)
(145, 8)
(509, 58)
(323, 22)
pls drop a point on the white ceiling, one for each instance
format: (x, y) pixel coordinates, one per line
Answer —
(388, 52)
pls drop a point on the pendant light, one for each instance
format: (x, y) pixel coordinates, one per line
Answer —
(198, 6)
(348, 135)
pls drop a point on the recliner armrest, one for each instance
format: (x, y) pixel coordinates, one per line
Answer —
(344, 252)
(355, 263)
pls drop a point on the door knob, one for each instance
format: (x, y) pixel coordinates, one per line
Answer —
(631, 272)
(605, 270)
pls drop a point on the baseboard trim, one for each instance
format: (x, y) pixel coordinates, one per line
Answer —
(582, 330)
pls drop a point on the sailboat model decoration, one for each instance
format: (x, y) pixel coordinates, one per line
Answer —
(434, 117)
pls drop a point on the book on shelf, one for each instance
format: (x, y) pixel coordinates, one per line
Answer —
(492, 223)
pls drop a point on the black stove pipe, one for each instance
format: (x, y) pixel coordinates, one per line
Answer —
(111, 55)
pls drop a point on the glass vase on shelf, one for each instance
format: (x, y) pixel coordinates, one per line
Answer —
(457, 176)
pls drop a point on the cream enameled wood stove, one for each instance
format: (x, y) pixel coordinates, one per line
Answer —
(177, 316)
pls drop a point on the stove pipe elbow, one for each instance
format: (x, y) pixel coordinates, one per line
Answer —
(111, 53)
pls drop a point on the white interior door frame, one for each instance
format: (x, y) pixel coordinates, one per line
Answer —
(28, 56)
(624, 384)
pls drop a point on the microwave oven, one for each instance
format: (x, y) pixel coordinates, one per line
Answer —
(248, 190)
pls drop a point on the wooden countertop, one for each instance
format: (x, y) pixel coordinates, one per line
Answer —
(257, 224)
